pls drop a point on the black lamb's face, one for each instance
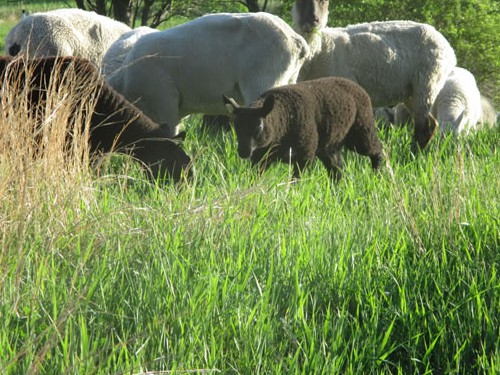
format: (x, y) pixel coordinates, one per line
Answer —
(250, 133)
(250, 124)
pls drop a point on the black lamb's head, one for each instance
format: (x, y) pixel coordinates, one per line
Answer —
(250, 124)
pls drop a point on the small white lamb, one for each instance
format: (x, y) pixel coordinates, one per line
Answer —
(457, 107)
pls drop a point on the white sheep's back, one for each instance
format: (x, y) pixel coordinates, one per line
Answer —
(457, 107)
(64, 32)
(187, 68)
(114, 56)
(380, 56)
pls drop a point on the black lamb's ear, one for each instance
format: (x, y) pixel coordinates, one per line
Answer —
(231, 104)
(267, 106)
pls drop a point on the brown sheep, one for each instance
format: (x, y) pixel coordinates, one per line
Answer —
(306, 120)
(115, 124)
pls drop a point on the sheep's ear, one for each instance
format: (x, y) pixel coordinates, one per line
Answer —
(179, 138)
(460, 118)
(433, 126)
(267, 106)
(231, 104)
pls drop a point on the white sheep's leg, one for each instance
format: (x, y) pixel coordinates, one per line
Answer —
(164, 110)
(291, 75)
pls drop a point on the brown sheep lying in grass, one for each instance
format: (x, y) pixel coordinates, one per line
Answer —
(115, 124)
(296, 123)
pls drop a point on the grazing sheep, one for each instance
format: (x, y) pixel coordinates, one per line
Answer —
(115, 124)
(297, 123)
(114, 56)
(187, 68)
(64, 32)
(457, 107)
(394, 61)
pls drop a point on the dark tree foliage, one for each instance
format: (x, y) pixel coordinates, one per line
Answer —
(253, 5)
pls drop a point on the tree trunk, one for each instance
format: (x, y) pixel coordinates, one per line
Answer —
(122, 11)
(80, 4)
(146, 10)
(100, 7)
(253, 5)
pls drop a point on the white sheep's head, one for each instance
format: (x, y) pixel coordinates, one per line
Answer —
(309, 16)
(250, 124)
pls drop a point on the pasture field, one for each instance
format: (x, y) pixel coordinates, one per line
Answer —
(235, 272)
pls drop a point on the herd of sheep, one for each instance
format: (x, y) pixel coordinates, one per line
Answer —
(305, 91)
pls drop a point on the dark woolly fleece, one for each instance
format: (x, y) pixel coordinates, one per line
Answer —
(315, 119)
(115, 124)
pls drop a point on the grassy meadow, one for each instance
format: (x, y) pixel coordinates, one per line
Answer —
(240, 272)
(103, 272)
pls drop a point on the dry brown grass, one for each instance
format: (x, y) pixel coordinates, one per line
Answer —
(44, 154)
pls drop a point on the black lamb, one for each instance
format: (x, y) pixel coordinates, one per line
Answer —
(296, 123)
(115, 124)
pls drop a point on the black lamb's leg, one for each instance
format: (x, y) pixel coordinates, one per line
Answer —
(298, 167)
(334, 164)
(376, 161)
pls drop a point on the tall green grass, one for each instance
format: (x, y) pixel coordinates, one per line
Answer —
(102, 272)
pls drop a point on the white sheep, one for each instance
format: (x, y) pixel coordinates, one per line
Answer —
(394, 61)
(114, 56)
(186, 69)
(64, 32)
(457, 107)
